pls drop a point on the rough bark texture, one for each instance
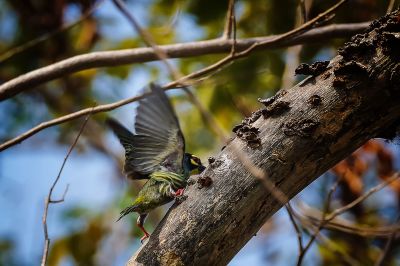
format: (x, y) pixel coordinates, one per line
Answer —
(302, 132)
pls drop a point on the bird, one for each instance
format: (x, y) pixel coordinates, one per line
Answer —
(156, 151)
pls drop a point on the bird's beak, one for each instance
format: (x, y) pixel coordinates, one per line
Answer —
(201, 168)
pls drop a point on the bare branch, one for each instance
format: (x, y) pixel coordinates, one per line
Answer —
(182, 50)
(293, 53)
(233, 26)
(229, 21)
(321, 224)
(312, 218)
(62, 198)
(295, 226)
(390, 6)
(69, 117)
(303, 11)
(147, 38)
(49, 200)
(360, 199)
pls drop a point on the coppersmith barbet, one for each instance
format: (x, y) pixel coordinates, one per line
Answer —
(155, 152)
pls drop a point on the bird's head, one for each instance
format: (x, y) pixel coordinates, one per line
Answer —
(192, 164)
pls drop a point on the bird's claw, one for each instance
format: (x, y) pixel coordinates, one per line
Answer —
(179, 197)
(179, 192)
(144, 238)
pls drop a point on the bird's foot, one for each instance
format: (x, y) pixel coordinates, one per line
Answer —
(179, 192)
(179, 197)
(146, 235)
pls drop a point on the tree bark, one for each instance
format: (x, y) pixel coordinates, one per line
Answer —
(302, 132)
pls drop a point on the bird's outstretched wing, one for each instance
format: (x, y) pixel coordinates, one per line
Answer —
(158, 142)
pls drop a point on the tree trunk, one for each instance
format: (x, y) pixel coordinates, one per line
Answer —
(301, 133)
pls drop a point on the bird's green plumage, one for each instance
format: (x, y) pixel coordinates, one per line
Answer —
(157, 191)
(156, 151)
(176, 181)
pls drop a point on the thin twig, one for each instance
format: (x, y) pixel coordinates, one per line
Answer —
(233, 26)
(78, 114)
(312, 218)
(295, 226)
(321, 224)
(49, 200)
(303, 11)
(330, 194)
(258, 173)
(390, 6)
(293, 53)
(230, 15)
(62, 198)
(23, 47)
(69, 117)
(322, 17)
(147, 38)
(362, 197)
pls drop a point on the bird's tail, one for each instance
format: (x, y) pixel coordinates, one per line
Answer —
(123, 134)
(126, 211)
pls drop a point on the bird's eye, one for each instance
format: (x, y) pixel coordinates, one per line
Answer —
(194, 161)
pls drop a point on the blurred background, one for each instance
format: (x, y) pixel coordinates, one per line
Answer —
(82, 229)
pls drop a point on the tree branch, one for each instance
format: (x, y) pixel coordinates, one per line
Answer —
(321, 224)
(49, 199)
(357, 99)
(181, 50)
(312, 218)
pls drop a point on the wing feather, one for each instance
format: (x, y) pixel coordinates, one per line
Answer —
(158, 142)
